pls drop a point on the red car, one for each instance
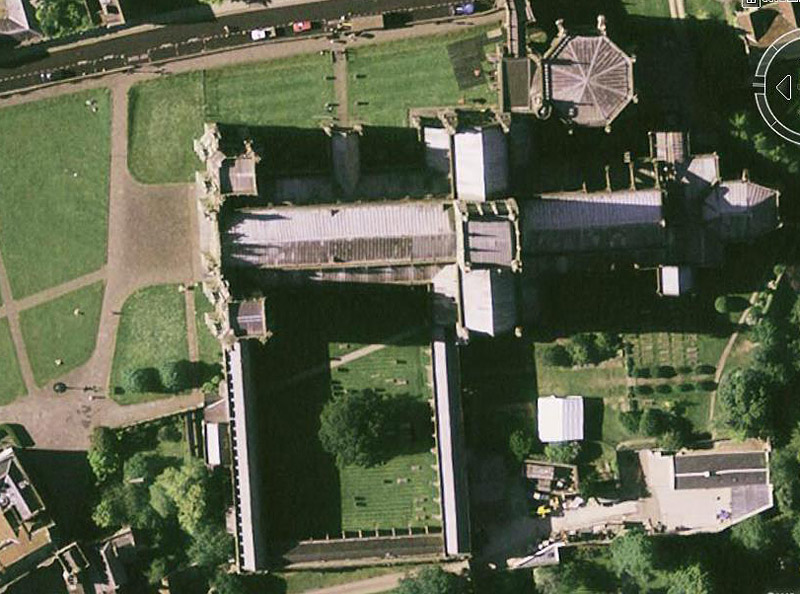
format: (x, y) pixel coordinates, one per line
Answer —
(301, 26)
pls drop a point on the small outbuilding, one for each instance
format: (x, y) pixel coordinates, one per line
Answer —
(560, 419)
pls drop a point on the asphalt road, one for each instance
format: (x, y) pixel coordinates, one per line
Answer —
(24, 67)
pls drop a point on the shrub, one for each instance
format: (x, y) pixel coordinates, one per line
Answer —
(104, 453)
(684, 370)
(521, 443)
(672, 440)
(686, 387)
(140, 381)
(664, 389)
(582, 349)
(169, 432)
(725, 304)
(707, 385)
(665, 371)
(643, 372)
(630, 420)
(652, 422)
(705, 370)
(644, 390)
(556, 355)
(565, 452)
(176, 376)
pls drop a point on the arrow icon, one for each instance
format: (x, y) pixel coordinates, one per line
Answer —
(785, 87)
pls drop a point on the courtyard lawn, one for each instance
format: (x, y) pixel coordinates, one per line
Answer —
(11, 384)
(209, 349)
(647, 8)
(402, 491)
(388, 79)
(54, 163)
(302, 581)
(165, 116)
(53, 332)
(706, 9)
(152, 331)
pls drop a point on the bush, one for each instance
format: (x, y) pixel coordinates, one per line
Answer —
(556, 355)
(664, 389)
(644, 390)
(643, 372)
(684, 370)
(607, 344)
(582, 349)
(705, 370)
(686, 387)
(565, 453)
(652, 422)
(521, 443)
(707, 385)
(665, 372)
(672, 440)
(104, 453)
(169, 432)
(726, 304)
(176, 376)
(630, 420)
(141, 381)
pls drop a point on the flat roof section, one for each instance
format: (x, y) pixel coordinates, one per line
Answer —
(717, 462)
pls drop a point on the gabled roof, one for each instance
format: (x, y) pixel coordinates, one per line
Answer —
(581, 210)
(13, 17)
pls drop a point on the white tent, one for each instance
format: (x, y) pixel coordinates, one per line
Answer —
(560, 419)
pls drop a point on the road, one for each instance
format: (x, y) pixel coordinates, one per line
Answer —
(23, 67)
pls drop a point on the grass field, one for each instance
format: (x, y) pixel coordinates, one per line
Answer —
(152, 331)
(54, 163)
(706, 9)
(53, 331)
(400, 492)
(604, 380)
(647, 8)
(302, 581)
(164, 116)
(167, 115)
(11, 384)
(208, 346)
(393, 77)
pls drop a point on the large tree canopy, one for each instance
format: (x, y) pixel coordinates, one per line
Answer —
(689, 580)
(62, 17)
(353, 427)
(104, 453)
(433, 580)
(753, 534)
(632, 554)
(746, 395)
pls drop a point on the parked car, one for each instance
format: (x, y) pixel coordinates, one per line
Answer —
(54, 75)
(465, 8)
(301, 26)
(265, 33)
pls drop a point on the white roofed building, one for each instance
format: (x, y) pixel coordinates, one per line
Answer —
(560, 419)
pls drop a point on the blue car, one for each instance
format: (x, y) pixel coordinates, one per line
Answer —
(465, 8)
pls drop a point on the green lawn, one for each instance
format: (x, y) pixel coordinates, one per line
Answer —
(604, 380)
(392, 77)
(167, 115)
(11, 384)
(164, 116)
(706, 9)
(647, 8)
(296, 582)
(209, 348)
(54, 163)
(152, 331)
(52, 331)
(400, 492)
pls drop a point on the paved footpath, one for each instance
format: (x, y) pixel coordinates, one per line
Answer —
(151, 230)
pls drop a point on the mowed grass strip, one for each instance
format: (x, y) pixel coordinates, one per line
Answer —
(402, 491)
(152, 331)
(52, 331)
(388, 79)
(208, 346)
(166, 115)
(11, 383)
(54, 163)
(606, 379)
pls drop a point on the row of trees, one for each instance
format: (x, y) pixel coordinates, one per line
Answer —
(171, 378)
(588, 348)
(672, 430)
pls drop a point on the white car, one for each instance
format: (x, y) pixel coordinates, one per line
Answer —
(259, 34)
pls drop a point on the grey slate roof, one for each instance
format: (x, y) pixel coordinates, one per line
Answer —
(490, 242)
(342, 236)
(590, 79)
(581, 210)
(742, 210)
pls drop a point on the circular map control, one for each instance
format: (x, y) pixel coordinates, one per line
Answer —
(777, 86)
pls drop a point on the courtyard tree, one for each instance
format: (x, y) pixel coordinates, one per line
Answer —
(691, 579)
(672, 440)
(353, 426)
(583, 349)
(746, 395)
(565, 452)
(176, 376)
(433, 580)
(652, 422)
(556, 355)
(632, 555)
(62, 17)
(110, 510)
(211, 546)
(227, 583)
(754, 534)
(187, 488)
(142, 380)
(104, 454)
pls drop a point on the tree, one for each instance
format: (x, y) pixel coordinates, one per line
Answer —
(785, 474)
(62, 17)
(228, 583)
(689, 580)
(630, 420)
(796, 532)
(110, 511)
(157, 571)
(104, 453)
(652, 422)
(211, 546)
(754, 534)
(632, 554)
(746, 395)
(564, 452)
(583, 349)
(141, 381)
(353, 426)
(672, 440)
(161, 502)
(521, 443)
(186, 487)
(607, 344)
(574, 577)
(176, 376)
(433, 580)
(556, 355)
